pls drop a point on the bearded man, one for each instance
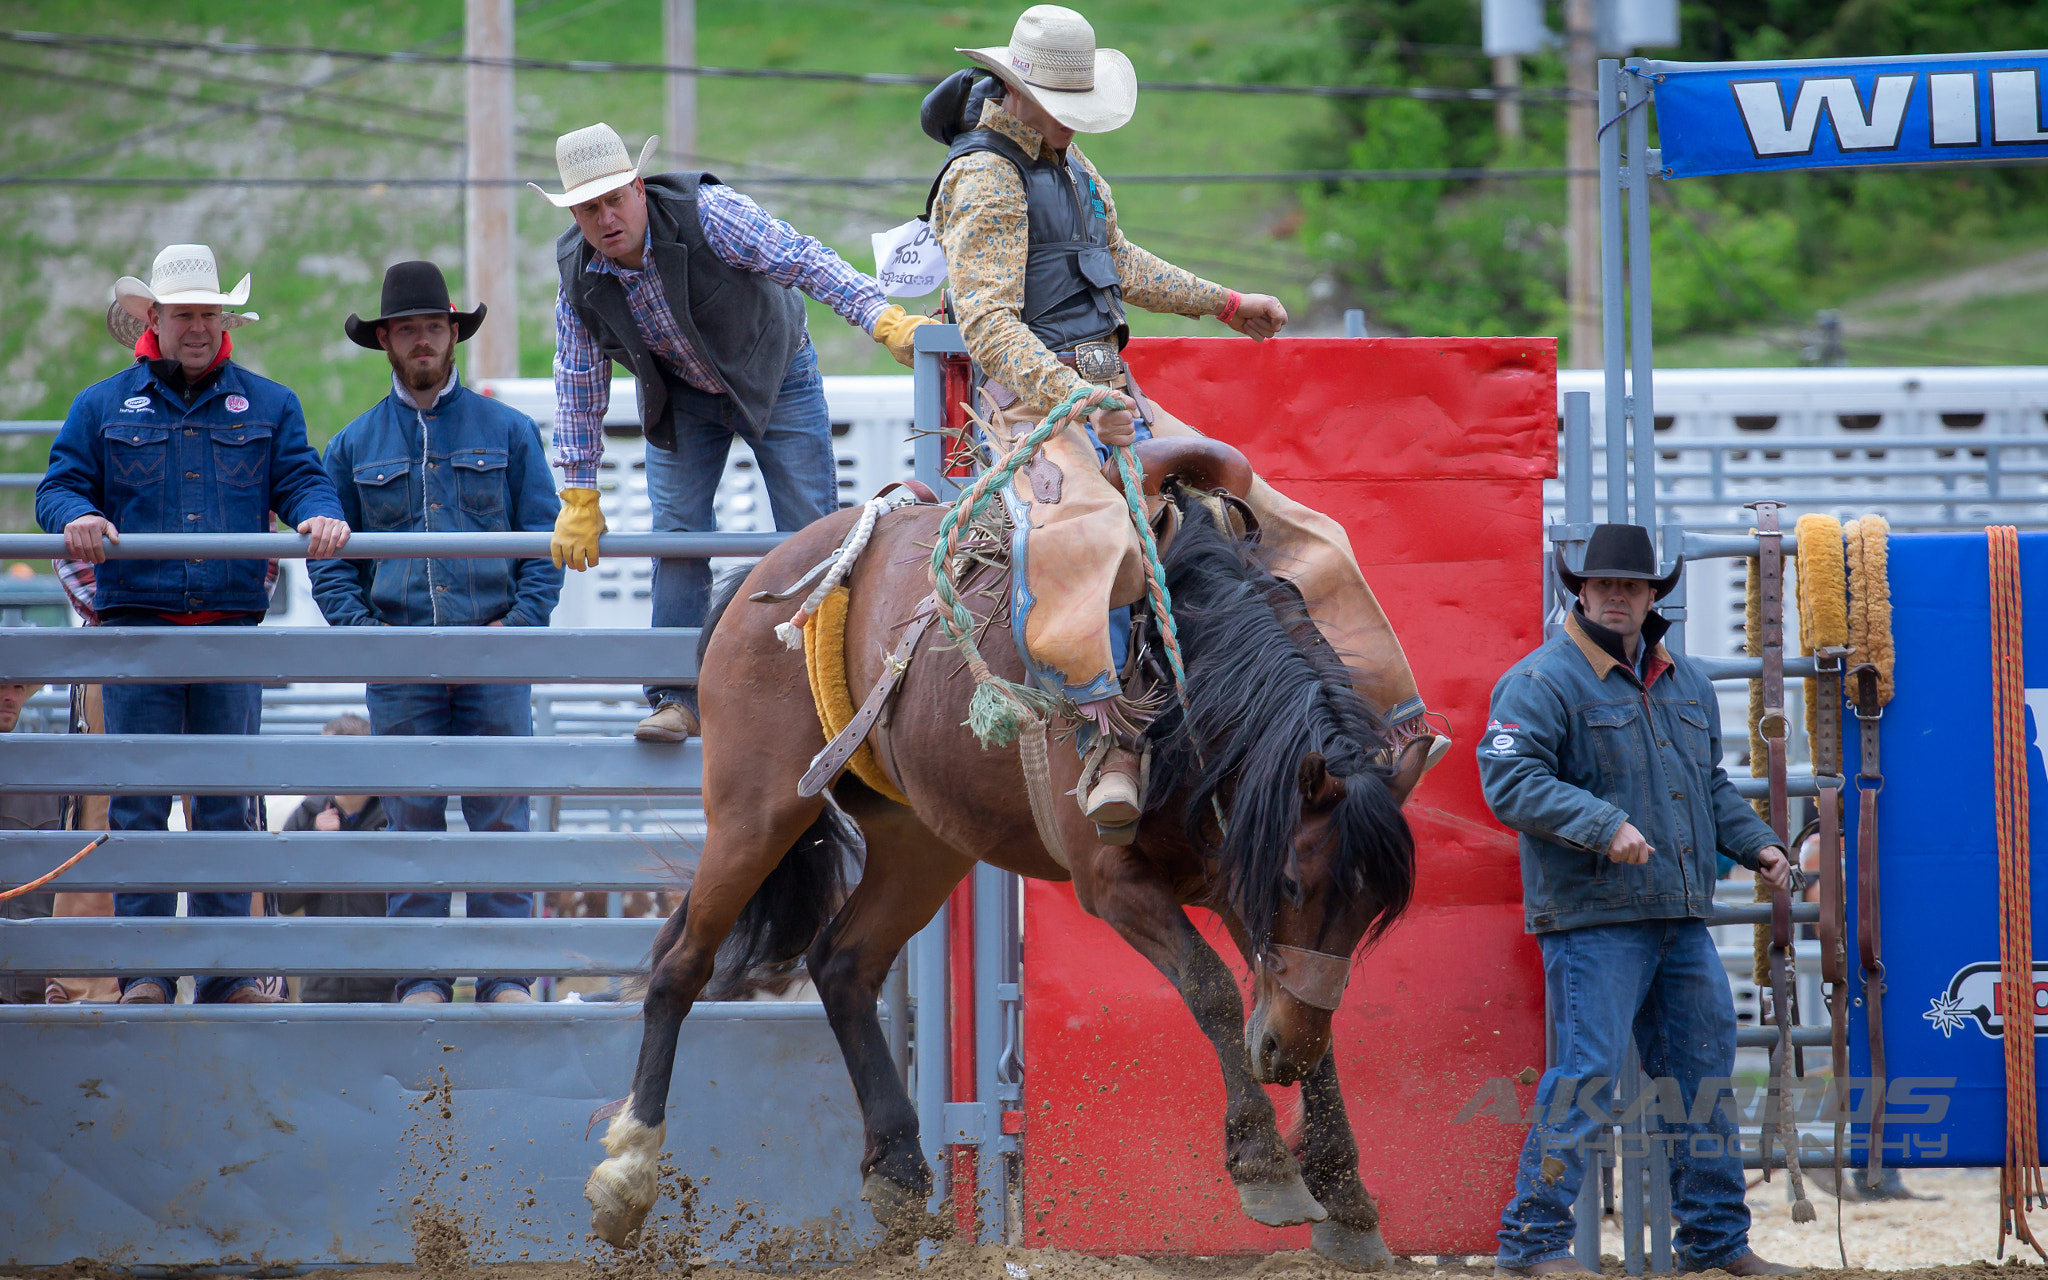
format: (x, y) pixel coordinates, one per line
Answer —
(1040, 276)
(435, 457)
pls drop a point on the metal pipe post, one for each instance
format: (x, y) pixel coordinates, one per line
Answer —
(929, 1044)
(896, 995)
(1613, 300)
(1642, 414)
(991, 1184)
(928, 404)
(1578, 457)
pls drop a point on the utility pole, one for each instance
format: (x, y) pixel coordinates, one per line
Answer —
(490, 226)
(1582, 156)
(1507, 109)
(679, 22)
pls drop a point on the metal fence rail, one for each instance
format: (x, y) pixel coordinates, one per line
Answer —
(351, 861)
(391, 546)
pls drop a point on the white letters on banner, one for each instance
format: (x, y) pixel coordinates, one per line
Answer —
(909, 261)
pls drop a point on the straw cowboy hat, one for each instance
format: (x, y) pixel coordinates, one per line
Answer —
(594, 161)
(183, 274)
(1052, 60)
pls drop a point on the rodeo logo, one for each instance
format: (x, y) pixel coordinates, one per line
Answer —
(1973, 997)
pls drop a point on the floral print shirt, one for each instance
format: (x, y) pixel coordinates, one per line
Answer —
(979, 217)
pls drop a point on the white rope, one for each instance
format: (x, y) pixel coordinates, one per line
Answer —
(791, 633)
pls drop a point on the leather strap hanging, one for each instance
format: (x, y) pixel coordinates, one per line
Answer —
(1774, 726)
(1869, 916)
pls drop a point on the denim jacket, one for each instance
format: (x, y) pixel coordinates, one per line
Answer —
(467, 465)
(134, 451)
(1579, 744)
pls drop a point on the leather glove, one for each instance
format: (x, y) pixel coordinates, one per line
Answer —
(577, 527)
(895, 328)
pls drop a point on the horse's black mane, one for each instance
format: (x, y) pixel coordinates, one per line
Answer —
(1264, 691)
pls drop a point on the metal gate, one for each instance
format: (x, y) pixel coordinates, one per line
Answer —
(279, 1135)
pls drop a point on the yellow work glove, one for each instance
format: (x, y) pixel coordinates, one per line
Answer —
(894, 329)
(576, 530)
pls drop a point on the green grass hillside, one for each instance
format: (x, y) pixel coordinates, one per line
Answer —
(318, 254)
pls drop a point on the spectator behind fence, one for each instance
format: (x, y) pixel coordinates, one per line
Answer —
(435, 457)
(338, 813)
(1604, 752)
(25, 813)
(184, 441)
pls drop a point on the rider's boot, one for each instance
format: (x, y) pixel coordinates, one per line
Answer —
(1113, 792)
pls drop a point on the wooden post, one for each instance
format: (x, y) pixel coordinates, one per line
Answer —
(1581, 155)
(679, 22)
(490, 226)
(1507, 112)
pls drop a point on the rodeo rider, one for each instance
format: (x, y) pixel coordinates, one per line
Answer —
(1604, 752)
(1040, 276)
(692, 287)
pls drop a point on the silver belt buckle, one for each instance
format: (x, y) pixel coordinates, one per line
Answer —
(1098, 362)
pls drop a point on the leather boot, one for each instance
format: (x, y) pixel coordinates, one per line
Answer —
(670, 722)
(1116, 798)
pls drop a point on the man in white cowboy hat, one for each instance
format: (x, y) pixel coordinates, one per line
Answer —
(433, 456)
(1040, 275)
(184, 441)
(692, 288)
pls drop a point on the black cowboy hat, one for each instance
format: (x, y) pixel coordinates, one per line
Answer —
(413, 289)
(1619, 551)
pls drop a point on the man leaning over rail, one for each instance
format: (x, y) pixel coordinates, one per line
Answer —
(184, 441)
(1604, 752)
(691, 286)
(435, 457)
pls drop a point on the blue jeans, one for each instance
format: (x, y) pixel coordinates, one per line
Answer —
(794, 455)
(177, 709)
(459, 710)
(1663, 981)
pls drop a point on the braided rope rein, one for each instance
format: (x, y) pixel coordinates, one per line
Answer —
(1001, 708)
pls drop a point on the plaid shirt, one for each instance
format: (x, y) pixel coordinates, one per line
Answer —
(742, 234)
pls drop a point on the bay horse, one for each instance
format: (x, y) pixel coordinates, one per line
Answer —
(1313, 858)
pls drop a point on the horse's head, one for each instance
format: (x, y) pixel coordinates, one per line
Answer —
(1313, 860)
(1342, 883)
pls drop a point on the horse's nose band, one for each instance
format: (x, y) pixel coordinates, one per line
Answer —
(1312, 977)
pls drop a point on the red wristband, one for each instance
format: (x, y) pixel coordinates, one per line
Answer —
(1229, 311)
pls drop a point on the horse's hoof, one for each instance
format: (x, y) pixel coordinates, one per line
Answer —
(616, 1214)
(1349, 1247)
(1279, 1204)
(891, 1200)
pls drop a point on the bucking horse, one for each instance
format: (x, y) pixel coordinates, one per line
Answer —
(1275, 797)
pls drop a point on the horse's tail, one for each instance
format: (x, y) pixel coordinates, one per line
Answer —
(779, 922)
(723, 589)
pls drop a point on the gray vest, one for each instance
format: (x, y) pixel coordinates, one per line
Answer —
(1071, 292)
(745, 325)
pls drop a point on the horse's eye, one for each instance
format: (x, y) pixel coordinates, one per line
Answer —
(1292, 888)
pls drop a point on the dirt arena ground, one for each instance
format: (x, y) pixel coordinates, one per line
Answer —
(1951, 1234)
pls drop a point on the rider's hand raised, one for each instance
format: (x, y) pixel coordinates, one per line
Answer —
(1259, 316)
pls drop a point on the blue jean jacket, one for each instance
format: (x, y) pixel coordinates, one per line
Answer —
(135, 452)
(468, 465)
(1577, 745)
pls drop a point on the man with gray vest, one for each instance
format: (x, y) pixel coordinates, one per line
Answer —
(691, 287)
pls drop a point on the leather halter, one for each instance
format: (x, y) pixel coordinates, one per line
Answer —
(1312, 977)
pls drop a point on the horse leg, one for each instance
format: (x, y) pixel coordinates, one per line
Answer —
(908, 875)
(1350, 1236)
(1270, 1189)
(738, 856)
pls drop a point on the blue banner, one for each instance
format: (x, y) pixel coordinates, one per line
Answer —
(1749, 117)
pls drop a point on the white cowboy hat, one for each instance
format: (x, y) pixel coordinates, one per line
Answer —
(594, 161)
(1052, 60)
(183, 274)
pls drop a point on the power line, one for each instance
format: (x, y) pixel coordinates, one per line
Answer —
(806, 180)
(69, 40)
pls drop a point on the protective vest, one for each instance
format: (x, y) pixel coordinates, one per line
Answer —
(747, 326)
(1071, 292)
